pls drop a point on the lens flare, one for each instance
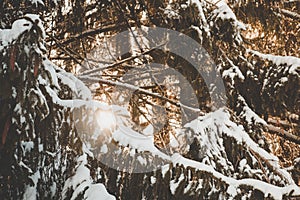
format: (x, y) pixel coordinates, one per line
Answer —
(106, 119)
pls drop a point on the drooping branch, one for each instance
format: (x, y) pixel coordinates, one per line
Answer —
(289, 14)
(282, 123)
(282, 133)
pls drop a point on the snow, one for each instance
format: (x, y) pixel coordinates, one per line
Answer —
(173, 141)
(225, 13)
(18, 27)
(201, 14)
(207, 131)
(152, 180)
(126, 136)
(275, 191)
(56, 74)
(283, 79)
(220, 119)
(75, 103)
(249, 115)
(210, 126)
(49, 67)
(149, 130)
(242, 164)
(22, 164)
(81, 176)
(196, 28)
(233, 72)
(142, 160)
(219, 122)
(171, 12)
(82, 180)
(53, 189)
(291, 61)
(27, 146)
(35, 18)
(31, 191)
(164, 170)
(104, 149)
(37, 2)
(70, 80)
(97, 192)
(174, 184)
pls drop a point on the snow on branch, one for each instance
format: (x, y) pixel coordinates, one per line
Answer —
(248, 114)
(20, 26)
(219, 122)
(199, 5)
(292, 62)
(37, 2)
(81, 182)
(233, 72)
(234, 185)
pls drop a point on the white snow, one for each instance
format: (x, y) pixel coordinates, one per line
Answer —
(97, 192)
(152, 180)
(81, 180)
(27, 146)
(37, 2)
(173, 141)
(7, 36)
(292, 62)
(233, 72)
(126, 136)
(201, 14)
(49, 67)
(224, 12)
(31, 191)
(69, 79)
(275, 191)
(174, 185)
(171, 12)
(220, 119)
(142, 160)
(249, 114)
(149, 130)
(53, 189)
(196, 28)
(164, 170)
(104, 149)
(75, 103)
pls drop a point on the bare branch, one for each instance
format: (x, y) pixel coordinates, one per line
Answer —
(121, 61)
(94, 31)
(282, 123)
(139, 90)
(64, 49)
(288, 13)
(282, 133)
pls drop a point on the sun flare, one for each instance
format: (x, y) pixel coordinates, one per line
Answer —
(106, 119)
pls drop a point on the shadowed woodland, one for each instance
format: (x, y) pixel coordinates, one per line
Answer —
(95, 104)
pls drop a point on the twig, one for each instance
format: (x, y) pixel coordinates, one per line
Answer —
(92, 32)
(64, 49)
(120, 62)
(260, 165)
(139, 90)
